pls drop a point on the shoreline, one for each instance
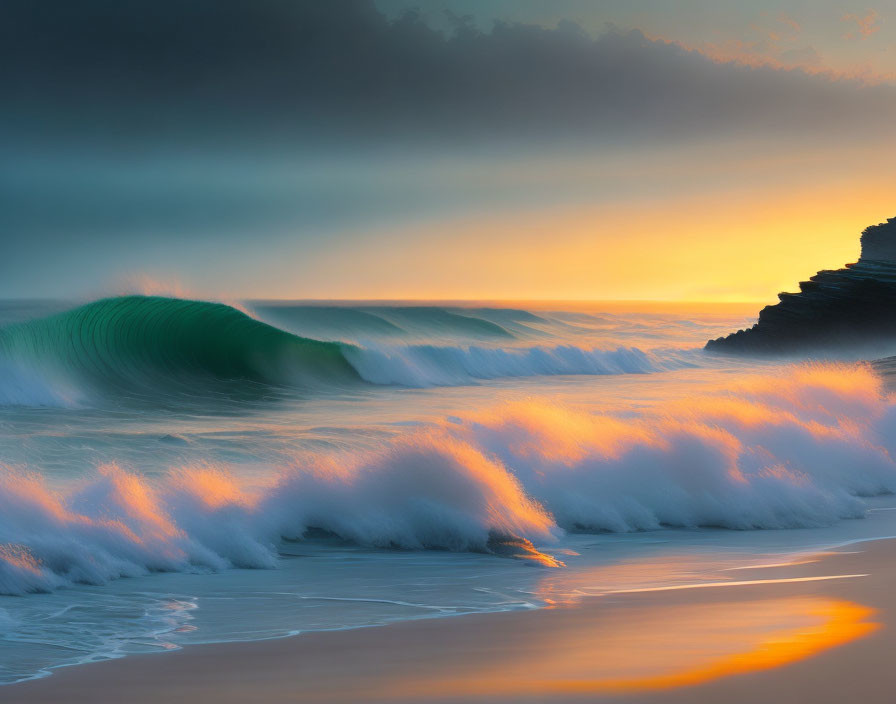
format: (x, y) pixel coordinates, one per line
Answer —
(834, 614)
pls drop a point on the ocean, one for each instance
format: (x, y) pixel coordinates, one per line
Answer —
(176, 472)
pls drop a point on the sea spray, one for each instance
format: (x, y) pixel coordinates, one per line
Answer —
(791, 449)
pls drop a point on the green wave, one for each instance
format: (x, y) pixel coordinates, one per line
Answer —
(152, 342)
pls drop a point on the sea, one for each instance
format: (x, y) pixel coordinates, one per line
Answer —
(179, 471)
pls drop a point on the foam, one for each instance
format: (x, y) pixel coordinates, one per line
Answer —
(797, 448)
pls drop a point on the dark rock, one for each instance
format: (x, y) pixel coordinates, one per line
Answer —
(847, 307)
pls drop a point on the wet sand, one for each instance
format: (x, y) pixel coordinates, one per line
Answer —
(821, 631)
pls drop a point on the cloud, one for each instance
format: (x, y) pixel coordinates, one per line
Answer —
(791, 23)
(135, 134)
(866, 24)
(279, 69)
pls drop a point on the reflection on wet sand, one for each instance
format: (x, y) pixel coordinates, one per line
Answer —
(672, 572)
(648, 647)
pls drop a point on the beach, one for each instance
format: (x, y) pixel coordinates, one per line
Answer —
(447, 351)
(818, 629)
(480, 503)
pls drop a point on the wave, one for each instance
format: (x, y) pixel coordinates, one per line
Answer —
(432, 365)
(328, 321)
(354, 323)
(148, 343)
(173, 348)
(794, 449)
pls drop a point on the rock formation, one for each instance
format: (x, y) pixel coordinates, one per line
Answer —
(847, 307)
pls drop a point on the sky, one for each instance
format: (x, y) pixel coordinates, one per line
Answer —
(487, 149)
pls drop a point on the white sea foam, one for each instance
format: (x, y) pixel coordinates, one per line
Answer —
(22, 385)
(793, 449)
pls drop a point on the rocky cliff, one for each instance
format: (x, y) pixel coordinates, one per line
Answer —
(838, 308)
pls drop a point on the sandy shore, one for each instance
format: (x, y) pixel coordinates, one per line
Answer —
(820, 631)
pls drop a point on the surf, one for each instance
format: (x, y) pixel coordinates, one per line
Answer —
(171, 349)
(799, 448)
(153, 345)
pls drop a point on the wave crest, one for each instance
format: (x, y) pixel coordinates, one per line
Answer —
(150, 343)
(156, 346)
(788, 450)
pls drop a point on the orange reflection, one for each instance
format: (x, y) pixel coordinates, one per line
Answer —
(725, 640)
(651, 647)
(569, 587)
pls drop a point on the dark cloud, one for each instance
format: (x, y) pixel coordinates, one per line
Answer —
(339, 67)
(187, 135)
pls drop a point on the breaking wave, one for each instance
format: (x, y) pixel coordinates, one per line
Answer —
(151, 345)
(798, 448)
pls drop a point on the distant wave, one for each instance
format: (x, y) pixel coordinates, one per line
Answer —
(156, 346)
(359, 322)
(325, 321)
(788, 450)
(431, 365)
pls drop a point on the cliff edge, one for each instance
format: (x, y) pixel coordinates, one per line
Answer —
(838, 308)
